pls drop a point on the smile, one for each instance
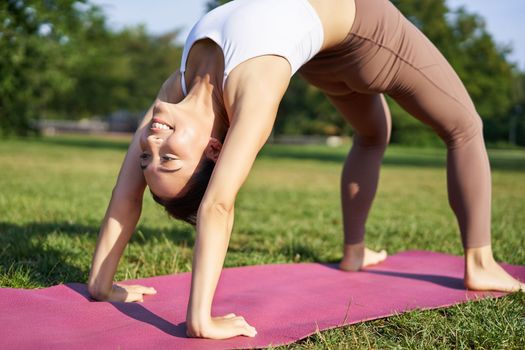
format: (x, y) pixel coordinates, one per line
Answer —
(160, 126)
(157, 123)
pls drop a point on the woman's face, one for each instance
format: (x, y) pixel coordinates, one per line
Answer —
(173, 144)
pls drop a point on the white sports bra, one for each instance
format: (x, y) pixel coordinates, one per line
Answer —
(244, 29)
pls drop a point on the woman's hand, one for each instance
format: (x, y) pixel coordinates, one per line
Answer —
(223, 327)
(128, 293)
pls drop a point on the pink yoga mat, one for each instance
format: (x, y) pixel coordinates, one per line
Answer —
(285, 302)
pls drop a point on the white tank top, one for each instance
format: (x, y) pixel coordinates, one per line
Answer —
(244, 29)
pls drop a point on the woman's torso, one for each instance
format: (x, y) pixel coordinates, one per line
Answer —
(294, 29)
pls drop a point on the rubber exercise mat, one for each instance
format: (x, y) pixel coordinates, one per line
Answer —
(284, 302)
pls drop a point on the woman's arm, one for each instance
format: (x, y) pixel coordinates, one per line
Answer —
(122, 215)
(252, 97)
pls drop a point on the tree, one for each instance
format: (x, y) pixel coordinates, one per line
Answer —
(516, 127)
(58, 59)
(481, 64)
(117, 71)
(34, 40)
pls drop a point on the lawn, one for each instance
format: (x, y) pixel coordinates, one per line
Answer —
(54, 192)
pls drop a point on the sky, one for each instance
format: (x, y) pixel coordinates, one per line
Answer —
(504, 19)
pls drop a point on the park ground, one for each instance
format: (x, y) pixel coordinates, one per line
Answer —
(54, 192)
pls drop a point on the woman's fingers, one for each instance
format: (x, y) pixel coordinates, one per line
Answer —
(131, 293)
(225, 326)
(135, 288)
(132, 297)
(148, 290)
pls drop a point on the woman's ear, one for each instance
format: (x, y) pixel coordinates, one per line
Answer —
(213, 149)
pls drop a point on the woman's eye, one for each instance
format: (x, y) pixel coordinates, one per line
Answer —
(144, 156)
(168, 158)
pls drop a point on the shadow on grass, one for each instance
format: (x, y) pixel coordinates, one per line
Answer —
(497, 162)
(27, 245)
(339, 157)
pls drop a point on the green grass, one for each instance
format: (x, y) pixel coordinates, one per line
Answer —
(54, 192)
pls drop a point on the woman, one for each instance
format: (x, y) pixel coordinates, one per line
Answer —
(211, 118)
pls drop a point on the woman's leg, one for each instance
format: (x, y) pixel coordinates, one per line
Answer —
(435, 95)
(370, 117)
(386, 53)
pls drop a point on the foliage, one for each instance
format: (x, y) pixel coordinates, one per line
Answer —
(34, 36)
(304, 110)
(471, 50)
(60, 60)
(517, 114)
(118, 71)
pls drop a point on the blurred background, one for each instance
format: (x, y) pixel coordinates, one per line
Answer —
(95, 66)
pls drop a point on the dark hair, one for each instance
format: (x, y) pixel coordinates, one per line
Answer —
(185, 207)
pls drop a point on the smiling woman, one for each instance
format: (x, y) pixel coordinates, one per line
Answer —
(199, 139)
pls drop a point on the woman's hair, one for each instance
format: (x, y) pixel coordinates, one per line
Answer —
(185, 207)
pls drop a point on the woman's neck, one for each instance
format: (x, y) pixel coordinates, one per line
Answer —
(204, 75)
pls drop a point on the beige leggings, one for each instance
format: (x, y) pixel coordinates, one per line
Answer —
(385, 53)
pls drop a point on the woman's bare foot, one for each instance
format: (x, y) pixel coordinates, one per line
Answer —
(482, 272)
(357, 256)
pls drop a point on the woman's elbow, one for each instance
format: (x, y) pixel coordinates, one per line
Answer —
(223, 208)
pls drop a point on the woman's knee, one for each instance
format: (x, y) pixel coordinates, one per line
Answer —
(463, 130)
(379, 140)
(373, 127)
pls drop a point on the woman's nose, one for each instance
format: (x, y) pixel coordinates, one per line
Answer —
(160, 107)
(155, 140)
